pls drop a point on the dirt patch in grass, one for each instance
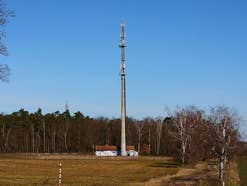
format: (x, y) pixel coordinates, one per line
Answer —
(201, 174)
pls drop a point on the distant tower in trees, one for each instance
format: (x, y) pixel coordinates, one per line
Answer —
(123, 90)
(67, 106)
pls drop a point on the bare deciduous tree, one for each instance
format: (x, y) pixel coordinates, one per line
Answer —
(32, 136)
(4, 18)
(43, 123)
(185, 121)
(4, 72)
(224, 135)
(158, 124)
(140, 131)
(6, 145)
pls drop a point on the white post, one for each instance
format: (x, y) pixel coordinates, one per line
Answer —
(60, 175)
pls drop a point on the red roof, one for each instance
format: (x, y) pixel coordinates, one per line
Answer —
(105, 148)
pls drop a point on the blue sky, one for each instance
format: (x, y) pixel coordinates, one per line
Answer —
(179, 53)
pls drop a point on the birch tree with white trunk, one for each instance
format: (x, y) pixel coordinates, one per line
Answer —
(140, 132)
(184, 121)
(224, 136)
(158, 124)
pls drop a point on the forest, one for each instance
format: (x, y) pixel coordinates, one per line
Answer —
(187, 133)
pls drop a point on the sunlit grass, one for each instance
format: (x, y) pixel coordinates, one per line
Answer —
(32, 170)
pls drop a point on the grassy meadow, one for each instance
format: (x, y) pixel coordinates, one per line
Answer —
(88, 170)
(81, 170)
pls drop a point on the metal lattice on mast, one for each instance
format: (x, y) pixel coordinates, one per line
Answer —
(123, 90)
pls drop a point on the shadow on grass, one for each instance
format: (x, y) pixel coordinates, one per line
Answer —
(195, 182)
(201, 178)
(165, 165)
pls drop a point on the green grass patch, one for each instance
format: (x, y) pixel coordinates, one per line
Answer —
(242, 167)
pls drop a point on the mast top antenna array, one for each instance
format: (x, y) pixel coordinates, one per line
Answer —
(122, 35)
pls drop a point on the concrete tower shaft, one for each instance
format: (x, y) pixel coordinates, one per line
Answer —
(123, 90)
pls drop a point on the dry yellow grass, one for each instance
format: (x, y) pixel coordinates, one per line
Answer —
(232, 175)
(42, 169)
(24, 169)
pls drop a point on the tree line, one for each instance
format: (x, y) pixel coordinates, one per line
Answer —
(186, 132)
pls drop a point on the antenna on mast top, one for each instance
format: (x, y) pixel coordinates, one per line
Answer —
(122, 35)
(122, 45)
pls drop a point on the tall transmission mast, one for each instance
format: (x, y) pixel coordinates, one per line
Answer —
(123, 90)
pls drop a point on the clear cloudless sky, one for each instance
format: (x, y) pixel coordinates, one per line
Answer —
(179, 53)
